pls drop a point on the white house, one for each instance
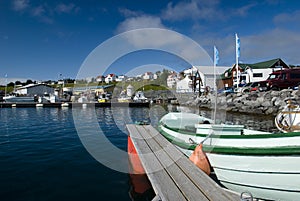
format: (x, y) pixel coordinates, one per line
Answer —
(100, 78)
(148, 76)
(172, 80)
(110, 78)
(121, 78)
(199, 77)
(252, 72)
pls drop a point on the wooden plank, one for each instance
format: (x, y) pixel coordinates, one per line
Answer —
(156, 173)
(203, 182)
(183, 182)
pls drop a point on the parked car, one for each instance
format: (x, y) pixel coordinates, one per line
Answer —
(253, 86)
(282, 79)
(226, 90)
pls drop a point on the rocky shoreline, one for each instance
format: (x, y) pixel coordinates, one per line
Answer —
(264, 103)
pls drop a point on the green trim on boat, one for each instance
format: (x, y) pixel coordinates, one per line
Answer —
(284, 150)
(252, 136)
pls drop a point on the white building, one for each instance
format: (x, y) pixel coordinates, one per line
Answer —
(148, 76)
(110, 78)
(121, 78)
(172, 80)
(199, 77)
(34, 89)
(100, 78)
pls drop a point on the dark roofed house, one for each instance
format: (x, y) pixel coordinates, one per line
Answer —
(252, 72)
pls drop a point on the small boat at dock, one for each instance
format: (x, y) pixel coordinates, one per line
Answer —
(139, 97)
(262, 163)
(18, 99)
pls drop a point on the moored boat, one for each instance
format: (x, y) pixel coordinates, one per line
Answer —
(139, 97)
(265, 164)
(18, 99)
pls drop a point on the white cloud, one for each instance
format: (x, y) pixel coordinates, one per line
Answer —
(130, 13)
(277, 43)
(20, 5)
(181, 11)
(144, 21)
(38, 11)
(205, 10)
(285, 18)
(66, 8)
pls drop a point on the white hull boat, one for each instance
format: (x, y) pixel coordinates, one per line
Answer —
(18, 99)
(262, 163)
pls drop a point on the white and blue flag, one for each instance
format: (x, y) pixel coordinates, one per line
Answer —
(237, 46)
(216, 56)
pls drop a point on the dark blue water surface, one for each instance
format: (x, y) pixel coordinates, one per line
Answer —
(42, 157)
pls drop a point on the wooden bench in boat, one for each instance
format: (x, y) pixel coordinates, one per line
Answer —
(172, 175)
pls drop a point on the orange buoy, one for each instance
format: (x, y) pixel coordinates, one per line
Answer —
(135, 162)
(199, 158)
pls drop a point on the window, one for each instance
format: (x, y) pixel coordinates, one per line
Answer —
(257, 75)
(295, 76)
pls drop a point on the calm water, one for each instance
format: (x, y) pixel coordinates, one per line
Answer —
(42, 157)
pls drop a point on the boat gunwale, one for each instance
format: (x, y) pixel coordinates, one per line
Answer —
(252, 136)
(270, 151)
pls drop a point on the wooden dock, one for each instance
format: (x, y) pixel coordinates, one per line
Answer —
(172, 175)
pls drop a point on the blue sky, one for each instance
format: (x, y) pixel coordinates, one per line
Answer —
(42, 39)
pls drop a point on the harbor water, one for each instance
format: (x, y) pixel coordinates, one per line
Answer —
(43, 158)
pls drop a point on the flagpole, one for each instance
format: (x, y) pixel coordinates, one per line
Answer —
(237, 55)
(5, 85)
(237, 50)
(216, 57)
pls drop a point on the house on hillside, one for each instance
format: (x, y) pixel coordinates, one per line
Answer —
(34, 89)
(121, 78)
(100, 78)
(148, 76)
(172, 80)
(110, 78)
(251, 72)
(198, 78)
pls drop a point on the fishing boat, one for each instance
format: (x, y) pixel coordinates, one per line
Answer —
(18, 99)
(244, 160)
(103, 98)
(139, 97)
(124, 98)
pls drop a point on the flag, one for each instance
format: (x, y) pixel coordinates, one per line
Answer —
(237, 46)
(216, 56)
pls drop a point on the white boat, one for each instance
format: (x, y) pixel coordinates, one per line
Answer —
(139, 97)
(18, 99)
(262, 163)
(124, 98)
(65, 105)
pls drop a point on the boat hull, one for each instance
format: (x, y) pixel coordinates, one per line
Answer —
(265, 164)
(19, 99)
(267, 177)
